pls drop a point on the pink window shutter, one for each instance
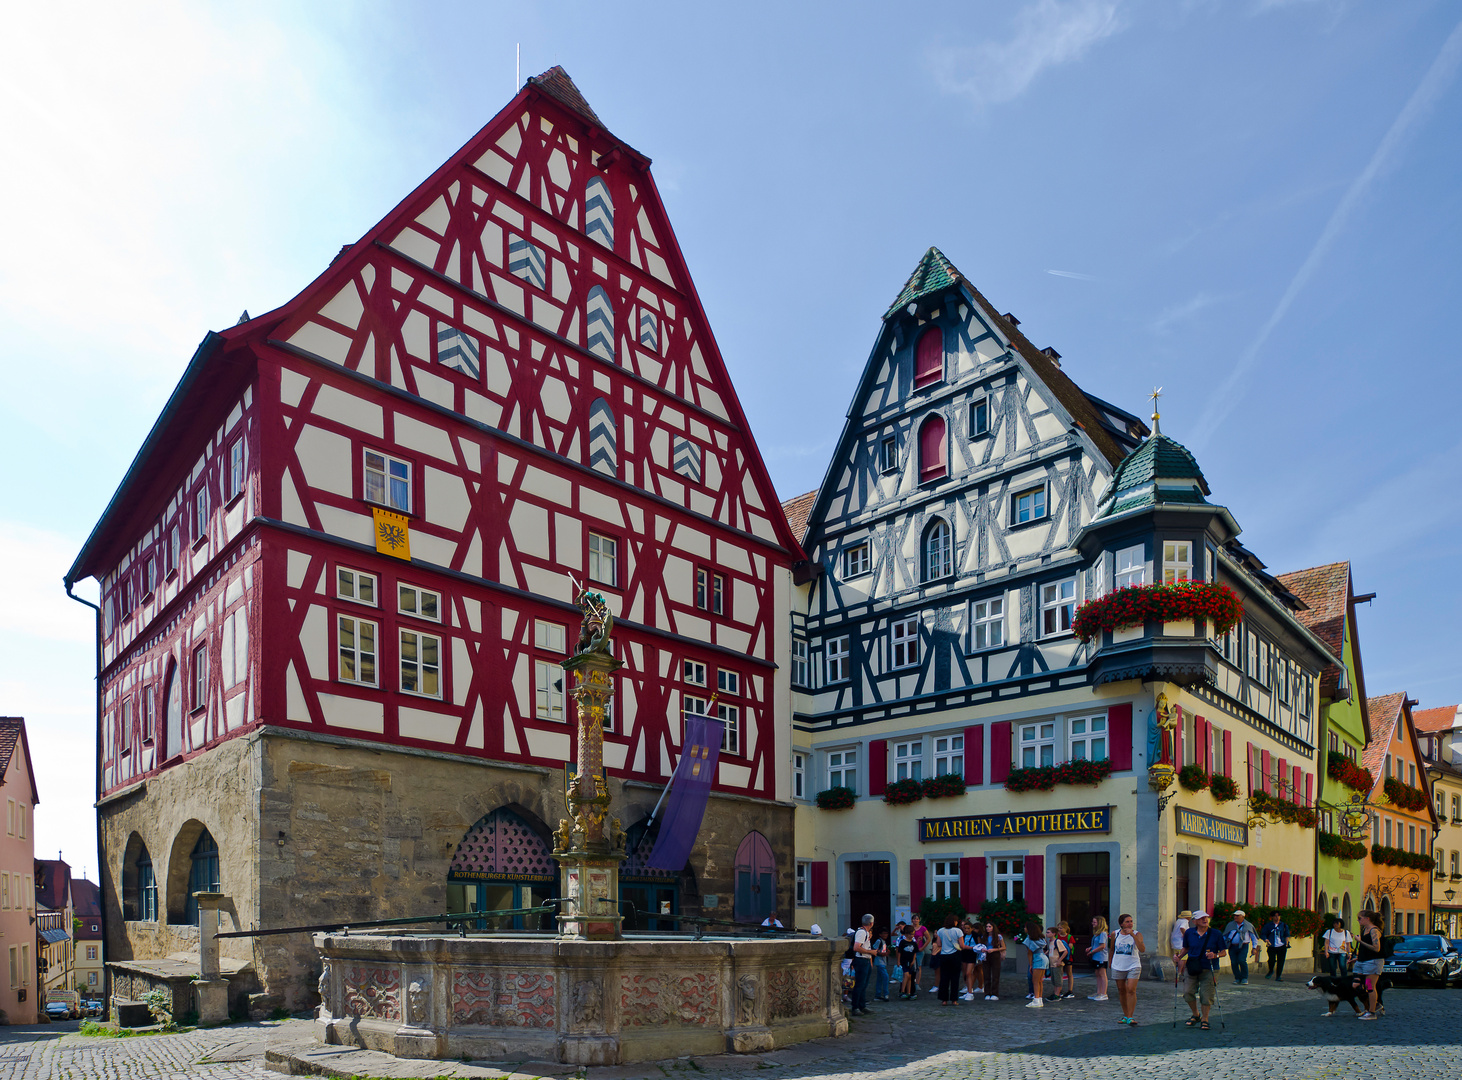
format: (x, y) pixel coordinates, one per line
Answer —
(1035, 884)
(1000, 732)
(1284, 878)
(975, 896)
(932, 449)
(819, 884)
(1119, 736)
(877, 766)
(1251, 892)
(1230, 882)
(1228, 761)
(916, 883)
(1265, 782)
(1309, 789)
(975, 754)
(929, 357)
(1211, 878)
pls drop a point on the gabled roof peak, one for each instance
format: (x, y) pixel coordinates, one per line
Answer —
(934, 274)
(555, 82)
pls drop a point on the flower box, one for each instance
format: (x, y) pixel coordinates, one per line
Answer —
(944, 786)
(1339, 767)
(837, 798)
(903, 792)
(1046, 777)
(1404, 795)
(1192, 602)
(1340, 848)
(1224, 788)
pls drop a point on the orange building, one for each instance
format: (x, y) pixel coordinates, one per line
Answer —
(1404, 823)
(19, 995)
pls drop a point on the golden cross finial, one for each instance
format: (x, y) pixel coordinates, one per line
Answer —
(1156, 393)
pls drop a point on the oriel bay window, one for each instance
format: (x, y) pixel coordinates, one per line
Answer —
(355, 646)
(1058, 607)
(1131, 569)
(421, 663)
(1177, 561)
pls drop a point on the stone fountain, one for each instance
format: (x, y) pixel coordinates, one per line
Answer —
(590, 995)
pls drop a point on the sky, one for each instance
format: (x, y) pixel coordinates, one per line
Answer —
(1254, 204)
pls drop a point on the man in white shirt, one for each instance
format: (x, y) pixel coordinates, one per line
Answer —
(862, 966)
(1239, 935)
(772, 921)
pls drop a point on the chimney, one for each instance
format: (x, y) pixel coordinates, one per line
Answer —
(1053, 354)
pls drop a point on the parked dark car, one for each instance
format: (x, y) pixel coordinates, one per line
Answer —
(1427, 959)
(58, 1010)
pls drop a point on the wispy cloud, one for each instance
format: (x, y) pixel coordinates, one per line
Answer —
(1433, 83)
(1409, 505)
(1166, 318)
(1047, 33)
(1072, 274)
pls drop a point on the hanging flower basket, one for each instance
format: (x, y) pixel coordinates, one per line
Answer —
(944, 786)
(1046, 777)
(1392, 856)
(1224, 788)
(1339, 767)
(1339, 847)
(903, 792)
(1282, 810)
(835, 798)
(1404, 795)
(1200, 601)
(1193, 777)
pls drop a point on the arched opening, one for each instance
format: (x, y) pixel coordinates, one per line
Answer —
(645, 894)
(139, 882)
(173, 744)
(756, 878)
(1346, 914)
(504, 861)
(182, 877)
(202, 873)
(929, 357)
(1386, 915)
(933, 450)
(938, 550)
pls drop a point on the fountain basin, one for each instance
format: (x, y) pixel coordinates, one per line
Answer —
(522, 997)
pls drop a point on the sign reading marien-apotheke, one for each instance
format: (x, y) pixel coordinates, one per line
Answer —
(1087, 819)
(1214, 828)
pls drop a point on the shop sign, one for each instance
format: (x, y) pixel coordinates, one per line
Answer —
(1212, 828)
(1091, 819)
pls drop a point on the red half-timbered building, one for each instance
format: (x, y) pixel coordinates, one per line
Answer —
(337, 579)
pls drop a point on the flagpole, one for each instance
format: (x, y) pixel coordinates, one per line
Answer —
(666, 789)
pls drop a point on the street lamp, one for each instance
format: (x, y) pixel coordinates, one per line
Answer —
(1414, 891)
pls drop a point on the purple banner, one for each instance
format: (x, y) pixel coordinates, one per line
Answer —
(690, 787)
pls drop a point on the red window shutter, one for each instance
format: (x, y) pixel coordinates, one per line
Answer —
(1253, 779)
(1284, 876)
(1297, 778)
(966, 885)
(1309, 789)
(1211, 891)
(1035, 884)
(975, 754)
(1282, 777)
(974, 893)
(1251, 891)
(1309, 887)
(1119, 736)
(819, 884)
(1000, 732)
(1178, 745)
(929, 357)
(1265, 781)
(1200, 736)
(1228, 760)
(932, 447)
(878, 766)
(1231, 882)
(916, 883)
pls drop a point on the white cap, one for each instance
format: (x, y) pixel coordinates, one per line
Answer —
(816, 930)
(1199, 915)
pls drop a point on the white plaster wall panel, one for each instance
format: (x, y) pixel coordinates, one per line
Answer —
(692, 626)
(555, 398)
(554, 489)
(345, 307)
(235, 415)
(416, 336)
(315, 641)
(292, 386)
(415, 244)
(437, 390)
(346, 524)
(615, 755)
(549, 745)
(692, 541)
(472, 559)
(355, 714)
(732, 775)
(321, 341)
(568, 535)
(428, 725)
(433, 549)
(483, 410)
(436, 216)
(325, 458)
(729, 637)
(749, 492)
(604, 507)
(350, 410)
(447, 502)
(412, 434)
(528, 524)
(234, 711)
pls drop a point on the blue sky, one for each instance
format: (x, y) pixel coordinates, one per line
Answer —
(1256, 205)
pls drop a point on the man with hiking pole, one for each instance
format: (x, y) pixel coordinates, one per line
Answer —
(1198, 960)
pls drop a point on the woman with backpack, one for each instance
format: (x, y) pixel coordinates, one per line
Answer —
(1058, 955)
(969, 960)
(1369, 959)
(921, 949)
(1035, 943)
(1066, 984)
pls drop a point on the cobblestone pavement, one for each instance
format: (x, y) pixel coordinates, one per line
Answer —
(1261, 1030)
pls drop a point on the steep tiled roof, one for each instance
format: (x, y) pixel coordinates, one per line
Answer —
(53, 878)
(934, 274)
(1443, 718)
(1384, 711)
(1160, 457)
(797, 511)
(1325, 591)
(12, 734)
(555, 82)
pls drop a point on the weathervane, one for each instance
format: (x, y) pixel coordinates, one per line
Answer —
(1156, 393)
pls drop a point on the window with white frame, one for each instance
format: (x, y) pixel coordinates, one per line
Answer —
(422, 603)
(550, 636)
(355, 585)
(1037, 744)
(693, 672)
(799, 776)
(234, 484)
(355, 646)
(1028, 505)
(603, 559)
(149, 576)
(547, 690)
(124, 727)
(987, 623)
(1177, 561)
(949, 755)
(842, 769)
(938, 550)
(200, 513)
(908, 760)
(1130, 567)
(174, 550)
(1058, 607)
(1088, 738)
(804, 883)
(728, 682)
(149, 717)
(946, 879)
(888, 454)
(710, 591)
(200, 677)
(979, 417)
(696, 706)
(387, 481)
(730, 716)
(421, 663)
(837, 659)
(904, 642)
(857, 560)
(800, 668)
(1009, 879)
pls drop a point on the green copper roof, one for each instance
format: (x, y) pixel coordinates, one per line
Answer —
(934, 274)
(1146, 477)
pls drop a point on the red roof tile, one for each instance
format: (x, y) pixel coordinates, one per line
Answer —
(12, 734)
(1325, 591)
(797, 511)
(1443, 718)
(1385, 712)
(555, 82)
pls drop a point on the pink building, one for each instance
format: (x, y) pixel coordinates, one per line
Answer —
(19, 995)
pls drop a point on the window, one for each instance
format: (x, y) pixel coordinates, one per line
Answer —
(693, 672)
(908, 760)
(124, 727)
(932, 460)
(234, 482)
(5, 891)
(149, 716)
(856, 560)
(1058, 607)
(91, 953)
(946, 879)
(799, 776)
(146, 889)
(603, 559)
(547, 690)
(423, 603)
(1411, 839)
(200, 676)
(1131, 569)
(202, 874)
(21, 813)
(979, 417)
(421, 664)
(800, 667)
(149, 576)
(355, 645)
(987, 622)
(548, 635)
(174, 550)
(888, 454)
(905, 642)
(938, 556)
(1037, 745)
(1028, 505)
(1088, 739)
(929, 357)
(1009, 879)
(728, 682)
(837, 659)
(355, 585)
(804, 884)
(388, 481)
(91, 975)
(457, 350)
(1177, 562)
(730, 715)
(949, 755)
(695, 706)
(842, 769)
(599, 323)
(200, 514)
(14, 967)
(710, 591)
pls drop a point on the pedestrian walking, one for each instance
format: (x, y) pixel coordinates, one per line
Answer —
(1127, 950)
(947, 945)
(1097, 950)
(862, 965)
(921, 948)
(1035, 942)
(1338, 944)
(880, 964)
(1369, 959)
(1276, 933)
(1238, 935)
(994, 957)
(908, 955)
(1202, 946)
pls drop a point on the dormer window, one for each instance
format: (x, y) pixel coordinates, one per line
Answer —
(929, 358)
(933, 463)
(1177, 562)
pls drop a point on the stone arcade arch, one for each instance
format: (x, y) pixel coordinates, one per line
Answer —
(139, 882)
(651, 892)
(504, 861)
(193, 866)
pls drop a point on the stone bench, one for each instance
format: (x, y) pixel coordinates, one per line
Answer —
(130, 1014)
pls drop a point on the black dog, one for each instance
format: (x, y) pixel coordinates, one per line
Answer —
(1349, 988)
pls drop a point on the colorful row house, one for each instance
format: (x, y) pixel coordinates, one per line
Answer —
(1440, 733)
(1404, 822)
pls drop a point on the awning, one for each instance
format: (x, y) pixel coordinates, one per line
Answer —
(51, 937)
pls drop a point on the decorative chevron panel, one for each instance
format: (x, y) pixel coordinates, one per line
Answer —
(687, 461)
(599, 322)
(603, 439)
(649, 330)
(598, 212)
(525, 260)
(457, 351)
